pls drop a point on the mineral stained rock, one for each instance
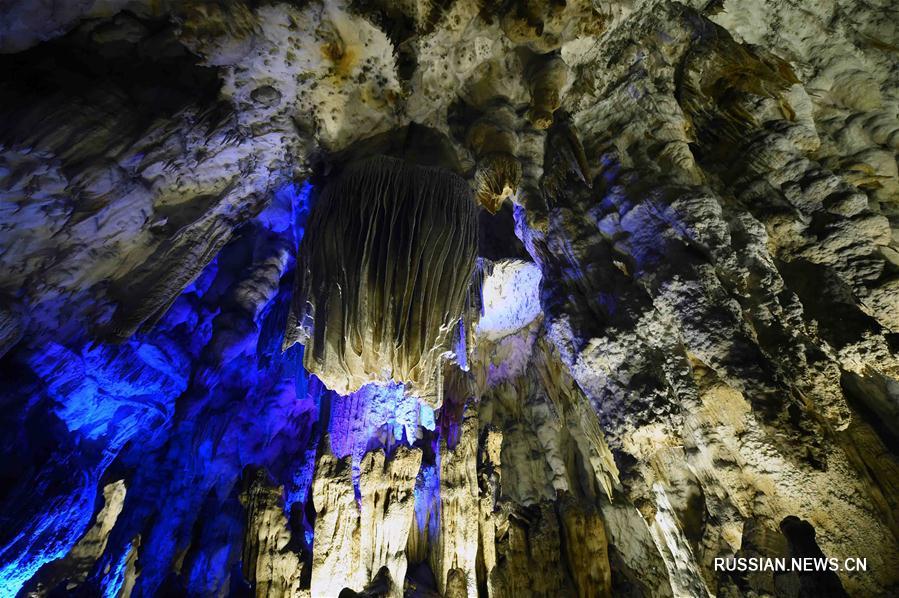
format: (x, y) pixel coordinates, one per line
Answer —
(449, 298)
(384, 274)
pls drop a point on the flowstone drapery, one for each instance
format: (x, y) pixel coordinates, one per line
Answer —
(448, 298)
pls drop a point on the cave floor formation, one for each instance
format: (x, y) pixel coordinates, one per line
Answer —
(449, 298)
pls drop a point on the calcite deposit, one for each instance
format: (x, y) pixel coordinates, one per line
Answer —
(383, 276)
(490, 298)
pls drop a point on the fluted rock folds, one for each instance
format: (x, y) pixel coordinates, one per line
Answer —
(384, 275)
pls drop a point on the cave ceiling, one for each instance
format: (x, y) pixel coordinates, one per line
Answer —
(443, 298)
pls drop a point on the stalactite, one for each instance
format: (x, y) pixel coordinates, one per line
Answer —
(385, 269)
(493, 141)
(448, 298)
(547, 76)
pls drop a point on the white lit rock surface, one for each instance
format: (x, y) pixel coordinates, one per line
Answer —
(457, 298)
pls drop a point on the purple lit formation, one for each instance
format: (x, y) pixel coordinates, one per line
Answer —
(112, 409)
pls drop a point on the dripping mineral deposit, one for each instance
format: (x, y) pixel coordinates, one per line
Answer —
(449, 298)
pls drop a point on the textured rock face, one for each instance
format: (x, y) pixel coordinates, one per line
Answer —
(457, 298)
(269, 561)
(384, 276)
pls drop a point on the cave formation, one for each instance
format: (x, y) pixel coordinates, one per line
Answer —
(448, 297)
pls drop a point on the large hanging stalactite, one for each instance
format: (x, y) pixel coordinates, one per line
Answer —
(687, 345)
(386, 266)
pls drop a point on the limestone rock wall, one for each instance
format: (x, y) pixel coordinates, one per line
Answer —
(587, 295)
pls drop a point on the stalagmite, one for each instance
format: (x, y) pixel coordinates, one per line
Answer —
(449, 298)
(270, 564)
(378, 525)
(387, 511)
(336, 560)
(454, 552)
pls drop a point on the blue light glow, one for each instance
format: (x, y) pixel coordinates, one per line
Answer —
(112, 582)
(105, 390)
(376, 416)
(47, 536)
(184, 410)
(427, 499)
(461, 349)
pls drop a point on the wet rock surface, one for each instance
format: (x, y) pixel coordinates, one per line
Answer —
(448, 298)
